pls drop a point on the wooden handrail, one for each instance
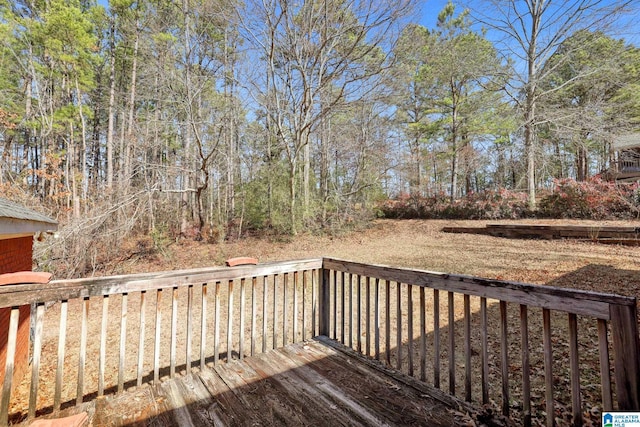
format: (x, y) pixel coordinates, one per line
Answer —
(58, 290)
(586, 303)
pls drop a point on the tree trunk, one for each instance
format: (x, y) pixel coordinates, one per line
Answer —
(306, 179)
(537, 8)
(130, 140)
(454, 144)
(582, 163)
(324, 167)
(292, 197)
(83, 124)
(111, 109)
(530, 150)
(184, 196)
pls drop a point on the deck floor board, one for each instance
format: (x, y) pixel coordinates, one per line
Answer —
(312, 383)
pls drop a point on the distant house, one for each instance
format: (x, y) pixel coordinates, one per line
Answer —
(18, 226)
(626, 157)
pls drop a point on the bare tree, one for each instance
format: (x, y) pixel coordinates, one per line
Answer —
(530, 32)
(315, 54)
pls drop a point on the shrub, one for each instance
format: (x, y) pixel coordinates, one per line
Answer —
(502, 204)
(592, 199)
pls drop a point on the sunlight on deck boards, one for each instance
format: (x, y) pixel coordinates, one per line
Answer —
(312, 383)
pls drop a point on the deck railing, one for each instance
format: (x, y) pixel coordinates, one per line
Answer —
(98, 336)
(628, 162)
(387, 309)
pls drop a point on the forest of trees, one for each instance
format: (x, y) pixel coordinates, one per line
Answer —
(206, 118)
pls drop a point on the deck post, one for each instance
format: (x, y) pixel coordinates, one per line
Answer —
(626, 347)
(325, 302)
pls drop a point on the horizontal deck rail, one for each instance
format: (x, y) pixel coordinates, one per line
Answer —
(92, 337)
(630, 164)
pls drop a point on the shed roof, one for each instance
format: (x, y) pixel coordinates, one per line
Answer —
(16, 219)
(629, 140)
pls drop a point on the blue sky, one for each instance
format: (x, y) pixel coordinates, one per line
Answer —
(629, 28)
(427, 15)
(429, 10)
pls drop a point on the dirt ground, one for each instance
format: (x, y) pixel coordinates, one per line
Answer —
(421, 244)
(411, 243)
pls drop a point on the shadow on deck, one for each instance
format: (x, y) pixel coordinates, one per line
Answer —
(318, 382)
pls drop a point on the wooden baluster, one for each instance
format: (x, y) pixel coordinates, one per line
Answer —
(359, 314)
(35, 361)
(174, 332)
(275, 311)
(143, 308)
(344, 314)
(254, 313)
(187, 356)
(526, 383)
(123, 341)
(376, 310)
(423, 336)
(295, 306)
(504, 356)
(335, 306)
(387, 321)
(399, 325)
(62, 338)
(156, 348)
(83, 350)
(367, 332)
(626, 349)
(605, 374)
(216, 324)
(230, 284)
(203, 327)
(314, 302)
(576, 403)
(324, 299)
(264, 312)
(304, 305)
(436, 338)
(103, 344)
(242, 318)
(285, 306)
(410, 328)
(548, 367)
(452, 344)
(484, 351)
(12, 337)
(350, 310)
(467, 348)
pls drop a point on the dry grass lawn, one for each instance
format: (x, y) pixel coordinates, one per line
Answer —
(422, 244)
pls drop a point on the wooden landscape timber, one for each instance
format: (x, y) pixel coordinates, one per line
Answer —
(602, 234)
(166, 335)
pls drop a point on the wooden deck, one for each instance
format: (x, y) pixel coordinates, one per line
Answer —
(214, 346)
(319, 382)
